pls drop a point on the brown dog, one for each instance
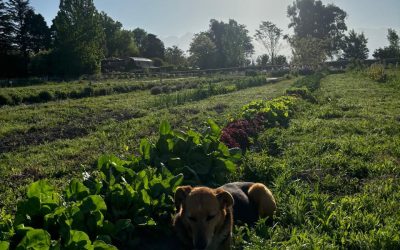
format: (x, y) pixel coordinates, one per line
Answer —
(205, 216)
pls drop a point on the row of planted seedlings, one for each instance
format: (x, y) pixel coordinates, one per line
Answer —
(209, 89)
(43, 94)
(128, 203)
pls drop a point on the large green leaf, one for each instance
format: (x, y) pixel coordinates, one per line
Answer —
(93, 203)
(215, 129)
(165, 128)
(44, 191)
(4, 245)
(145, 149)
(76, 190)
(37, 239)
(101, 245)
(78, 240)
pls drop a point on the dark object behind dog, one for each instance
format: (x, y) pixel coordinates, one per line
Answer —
(205, 216)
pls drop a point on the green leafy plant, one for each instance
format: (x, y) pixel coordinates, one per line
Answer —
(202, 158)
(274, 112)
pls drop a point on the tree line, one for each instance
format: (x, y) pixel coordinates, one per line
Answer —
(80, 37)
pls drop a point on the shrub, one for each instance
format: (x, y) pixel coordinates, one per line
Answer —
(377, 72)
(87, 91)
(165, 89)
(156, 90)
(73, 94)
(59, 95)
(45, 96)
(5, 100)
(16, 99)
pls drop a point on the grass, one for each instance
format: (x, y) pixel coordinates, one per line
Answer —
(334, 171)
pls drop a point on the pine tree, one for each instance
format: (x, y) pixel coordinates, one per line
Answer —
(18, 11)
(5, 29)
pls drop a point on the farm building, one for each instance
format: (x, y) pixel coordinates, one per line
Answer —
(124, 65)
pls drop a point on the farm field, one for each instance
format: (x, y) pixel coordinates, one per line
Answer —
(59, 140)
(334, 169)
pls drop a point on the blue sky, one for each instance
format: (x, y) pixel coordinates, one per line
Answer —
(175, 21)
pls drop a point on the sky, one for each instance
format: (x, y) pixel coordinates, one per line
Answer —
(176, 21)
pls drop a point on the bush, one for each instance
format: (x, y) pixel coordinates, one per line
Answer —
(45, 96)
(59, 95)
(156, 90)
(87, 91)
(377, 72)
(5, 100)
(16, 99)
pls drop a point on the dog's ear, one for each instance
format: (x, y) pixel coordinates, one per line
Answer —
(180, 195)
(225, 198)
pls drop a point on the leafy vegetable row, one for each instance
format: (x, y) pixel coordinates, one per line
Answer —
(124, 201)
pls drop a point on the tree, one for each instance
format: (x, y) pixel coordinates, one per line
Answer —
(140, 38)
(269, 35)
(5, 29)
(308, 52)
(237, 46)
(126, 46)
(38, 33)
(232, 42)
(119, 42)
(355, 46)
(153, 47)
(281, 60)
(393, 39)
(79, 38)
(391, 51)
(18, 10)
(263, 60)
(6, 41)
(111, 28)
(175, 56)
(202, 51)
(312, 19)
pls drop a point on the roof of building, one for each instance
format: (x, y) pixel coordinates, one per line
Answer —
(140, 59)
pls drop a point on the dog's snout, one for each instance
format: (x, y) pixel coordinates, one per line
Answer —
(200, 243)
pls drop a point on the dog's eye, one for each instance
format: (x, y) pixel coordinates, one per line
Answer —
(192, 219)
(210, 217)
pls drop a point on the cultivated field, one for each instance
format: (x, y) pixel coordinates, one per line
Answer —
(331, 157)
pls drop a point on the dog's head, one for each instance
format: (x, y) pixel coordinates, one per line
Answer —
(203, 211)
